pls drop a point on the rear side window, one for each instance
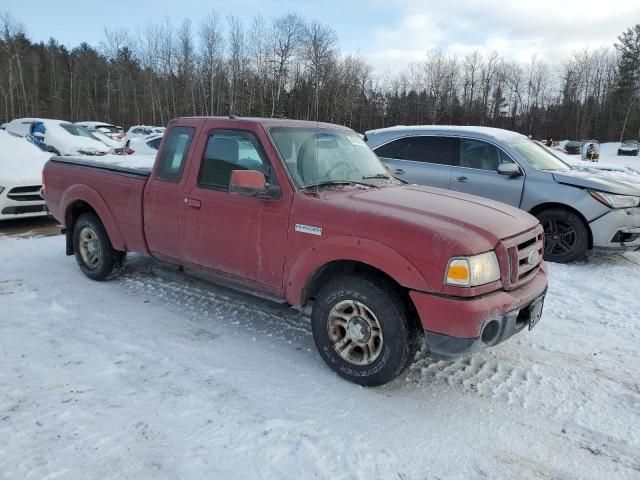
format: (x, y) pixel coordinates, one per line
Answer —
(428, 149)
(155, 143)
(172, 158)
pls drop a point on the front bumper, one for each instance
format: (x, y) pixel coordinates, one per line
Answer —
(457, 326)
(618, 229)
(10, 209)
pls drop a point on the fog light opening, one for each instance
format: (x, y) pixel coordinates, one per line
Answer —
(490, 332)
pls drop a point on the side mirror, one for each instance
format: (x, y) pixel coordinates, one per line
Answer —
(249, 183)
(39, 136)
(509, 169)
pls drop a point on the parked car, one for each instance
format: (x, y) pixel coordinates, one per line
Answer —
(579, 210)
(306, 214)
(573, 147)
(629, 147)
(21, 165)
(20, 126)
(144, 145)
(114, 132)
(138, 131)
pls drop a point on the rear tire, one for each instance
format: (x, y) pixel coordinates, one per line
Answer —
(363, 329)
(566, 237)
(92, 247)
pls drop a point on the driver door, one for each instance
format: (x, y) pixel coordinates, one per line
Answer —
(477, 173)
(242, 237)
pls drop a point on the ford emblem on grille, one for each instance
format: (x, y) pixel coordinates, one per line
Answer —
(534, 257)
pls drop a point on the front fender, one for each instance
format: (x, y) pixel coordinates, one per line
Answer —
(90, 196)
(347, 248)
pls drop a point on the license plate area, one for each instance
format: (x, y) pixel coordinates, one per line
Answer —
(535, 312)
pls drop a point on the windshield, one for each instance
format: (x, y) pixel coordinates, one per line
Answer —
(77, 130)
(538, 156)
(328, 155)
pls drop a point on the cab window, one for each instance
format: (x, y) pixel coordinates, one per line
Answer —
(174, 154)
(229, 150)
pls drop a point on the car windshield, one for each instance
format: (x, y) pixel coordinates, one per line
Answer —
(325, 155)
(77, 130)
(538, 156)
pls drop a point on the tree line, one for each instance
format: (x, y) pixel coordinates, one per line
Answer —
(289, 66)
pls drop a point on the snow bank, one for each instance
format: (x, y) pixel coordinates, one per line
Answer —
(156, 376)
(21, 162)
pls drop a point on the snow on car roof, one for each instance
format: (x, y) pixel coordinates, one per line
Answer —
(497, 133)
(95, 124)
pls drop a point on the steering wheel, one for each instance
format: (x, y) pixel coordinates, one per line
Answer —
(336, 167)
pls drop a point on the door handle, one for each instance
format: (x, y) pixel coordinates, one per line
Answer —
(193, 203)
(462, 179)
(398, 171)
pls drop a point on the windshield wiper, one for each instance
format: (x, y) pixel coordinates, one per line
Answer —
(338, 182)
(377, 175)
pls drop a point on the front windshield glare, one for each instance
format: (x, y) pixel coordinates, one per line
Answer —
(538, 156)
(315, 156)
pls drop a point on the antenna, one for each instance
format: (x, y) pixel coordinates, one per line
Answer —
(317, 108)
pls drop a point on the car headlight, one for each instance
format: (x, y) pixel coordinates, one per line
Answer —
(473, 271)
(1, 189)
(613, 200)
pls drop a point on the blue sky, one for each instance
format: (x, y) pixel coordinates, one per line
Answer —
(390, 33)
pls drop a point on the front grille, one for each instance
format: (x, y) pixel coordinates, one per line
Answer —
(25, 194)
(522, 262)
(22, 210)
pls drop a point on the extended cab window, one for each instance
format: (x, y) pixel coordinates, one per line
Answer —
(173, 155)
(429, 149)
(481, 155)
(229, 150)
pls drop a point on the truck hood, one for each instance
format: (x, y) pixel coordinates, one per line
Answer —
(470, 224)
(596, 181)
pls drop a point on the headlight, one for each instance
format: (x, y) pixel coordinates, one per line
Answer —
(1, 189)
(473, 271)
(615, 201)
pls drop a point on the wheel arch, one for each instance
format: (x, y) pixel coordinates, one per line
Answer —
(563, 206)
(81, 199)
(345, 255)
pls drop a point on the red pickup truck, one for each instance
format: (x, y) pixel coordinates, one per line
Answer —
(305, 212)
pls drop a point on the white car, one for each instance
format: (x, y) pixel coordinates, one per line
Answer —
(20, 126)
(21, 166)
(144, 145)
(138, 131)
(114, 132)
(58, 137)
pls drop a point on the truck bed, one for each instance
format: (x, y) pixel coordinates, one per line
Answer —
(135, 165)
(112, 185)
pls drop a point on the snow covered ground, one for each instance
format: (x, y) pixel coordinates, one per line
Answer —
(158, 376)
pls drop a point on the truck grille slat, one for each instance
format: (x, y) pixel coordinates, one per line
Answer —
(521, 262)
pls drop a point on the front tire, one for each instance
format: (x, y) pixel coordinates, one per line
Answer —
(566, 237)
(363, 330)
(94, 253)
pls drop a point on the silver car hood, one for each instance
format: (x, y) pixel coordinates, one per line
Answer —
(590, 179)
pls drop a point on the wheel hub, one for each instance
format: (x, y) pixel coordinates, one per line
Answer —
(358, 329)
(355, 332)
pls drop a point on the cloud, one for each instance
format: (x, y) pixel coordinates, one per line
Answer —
(516, 30)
